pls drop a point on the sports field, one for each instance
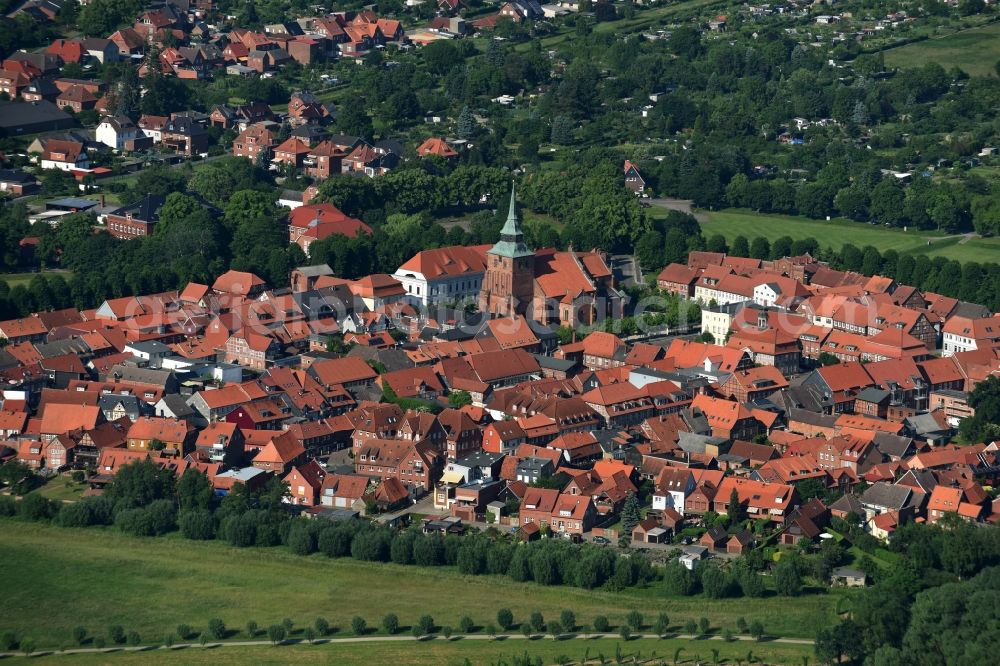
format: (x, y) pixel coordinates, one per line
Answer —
(63, 578)
(975, 51)
(837, 232)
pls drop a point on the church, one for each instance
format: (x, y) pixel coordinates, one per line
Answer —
(552, 287)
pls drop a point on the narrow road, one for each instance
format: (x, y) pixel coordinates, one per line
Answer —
(385, 639)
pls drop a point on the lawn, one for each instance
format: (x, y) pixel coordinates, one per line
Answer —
(14, 279)
(97, 578)
(835, 233)
(62, 489)
(975, 51)
(439, 651)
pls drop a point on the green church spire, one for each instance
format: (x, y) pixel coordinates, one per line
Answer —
(511, 243)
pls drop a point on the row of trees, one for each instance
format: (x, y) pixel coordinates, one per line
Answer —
(146, 500)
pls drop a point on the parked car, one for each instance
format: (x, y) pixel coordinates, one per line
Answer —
(602, 540)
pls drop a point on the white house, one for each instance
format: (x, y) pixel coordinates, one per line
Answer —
(673, 485)
(443, 275)
(116, 131)
(65, 155)
(766, 294)
(961, 334)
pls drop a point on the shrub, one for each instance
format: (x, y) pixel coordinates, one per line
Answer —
(184, 631)
(601, 624)
(662, 624)
(79, 635)
(446, 632)
(727, 635)
(99, 642)
(301, 540)
(390, 623)
(217, 628)
(8, 640)
(505, 618)
(35, 507)
(116, 634)
(359, 626)
(625, 632)
(741, 624)
(27, 646)
(704, 625)
(288, 624)
(134, 638)
(252, 628)
(537, 621)
(322, 626)
(197, 524)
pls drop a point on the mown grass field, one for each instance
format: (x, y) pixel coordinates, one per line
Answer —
(14, 279)
(837, 232)
(443, 652)
(975, 51)
(62, 489)
(62, 578)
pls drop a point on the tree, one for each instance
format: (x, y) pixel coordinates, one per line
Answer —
(625, 632)
(734, 509)
(690, 627)
(630, 515)
(787, 580)
(634, 619)
(276, 634)
(359, 626)
(251, 629)
(555, 629)
(309, 634)
(740, 247)
(537, 621)
(704, 625)
(466, 125)
(826, 358)
(760, 248)
(505, 619)
(649, 250)
(79, 635)
(116, 634)
(217, 628)
(756, 630)
(391, 624)
(426, 624)
(134, 639)
(459, 399)
(562, 130)
(568, 619)
(714, 582)
(466, 625)
(601, 624)
(184, 631)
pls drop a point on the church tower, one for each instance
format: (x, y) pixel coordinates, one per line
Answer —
(508, 286)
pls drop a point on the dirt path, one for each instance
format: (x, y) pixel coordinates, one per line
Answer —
(382, 639)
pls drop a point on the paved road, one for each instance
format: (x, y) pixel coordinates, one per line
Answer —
(384, 639)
